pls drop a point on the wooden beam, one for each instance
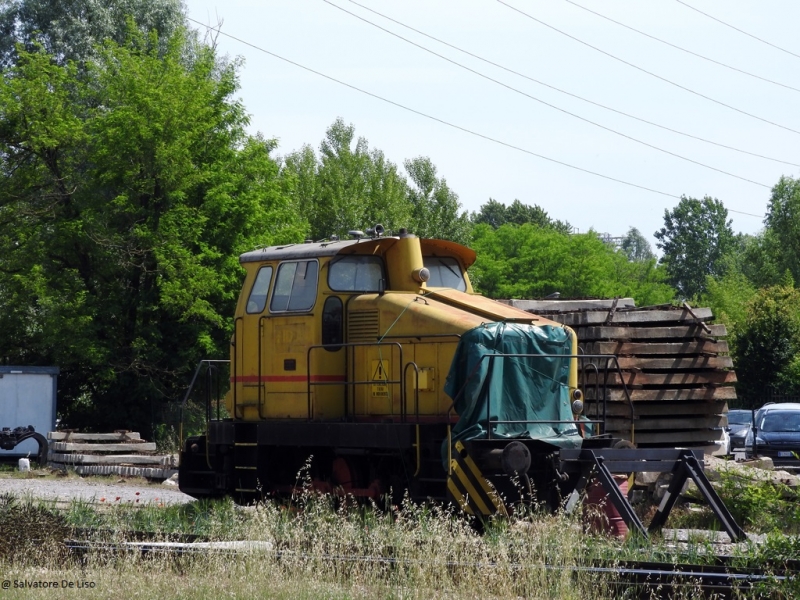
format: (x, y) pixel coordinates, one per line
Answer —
(670, 379)
(652, 409)
(699, 393)
(586, 334)
(70, 447)
(705, 347)
(598, 317)
(561, 306)
(667, 423)
(114, 459)
(93, 437)
(695, 362)
(674, 438)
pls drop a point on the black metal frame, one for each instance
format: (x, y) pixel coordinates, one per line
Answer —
(684, 464)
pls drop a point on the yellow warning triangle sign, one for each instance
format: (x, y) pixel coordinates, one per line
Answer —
(380, 371)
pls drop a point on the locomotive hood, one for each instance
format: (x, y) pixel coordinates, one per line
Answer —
(527, 390)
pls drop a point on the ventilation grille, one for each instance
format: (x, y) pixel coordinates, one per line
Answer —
(362, 326)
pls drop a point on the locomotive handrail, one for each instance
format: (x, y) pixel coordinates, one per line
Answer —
(403, 408)
(492, 357)
(235, 351)
(346, 383)
(260, 344)
(209, 364)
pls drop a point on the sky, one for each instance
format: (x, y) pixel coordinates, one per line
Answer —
(498, 131)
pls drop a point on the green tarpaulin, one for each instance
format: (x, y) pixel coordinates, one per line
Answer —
(507, 388)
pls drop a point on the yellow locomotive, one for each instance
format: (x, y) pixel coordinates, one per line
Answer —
(375, 357)
(372, 364)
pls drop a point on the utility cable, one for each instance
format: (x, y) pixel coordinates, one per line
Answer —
(447, 123)
(592, 102)
(539, 100)
(652, 37)
(638, 68)
(437, 119)
(737, 29)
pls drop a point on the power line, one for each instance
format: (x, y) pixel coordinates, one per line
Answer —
(447, 123)
(652, 37)
(737, 29)
(436, 119)
(557, 89)
(539, 100)
(638, 68)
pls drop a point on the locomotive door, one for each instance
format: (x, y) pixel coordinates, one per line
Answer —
(249, 377)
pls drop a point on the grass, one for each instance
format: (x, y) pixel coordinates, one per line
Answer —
(326, 548)
(320, 548)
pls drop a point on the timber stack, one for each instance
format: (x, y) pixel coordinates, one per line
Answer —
(122, 453)
(675, 368)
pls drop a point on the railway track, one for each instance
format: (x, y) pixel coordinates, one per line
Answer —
(629, 579)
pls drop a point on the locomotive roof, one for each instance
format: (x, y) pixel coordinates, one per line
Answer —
(305, 250)
(364, 245)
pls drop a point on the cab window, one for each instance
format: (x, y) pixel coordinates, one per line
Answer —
(258, 295)
(295, 287)
(445, 272)
(356, 274)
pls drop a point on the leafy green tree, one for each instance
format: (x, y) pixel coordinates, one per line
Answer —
(497, 214)
(72, 30)
(129, 189)
(695, 237)
(767, 344)
(783, 227)
(435, 209)
(348, 187)
(532, 262)
(636, 247)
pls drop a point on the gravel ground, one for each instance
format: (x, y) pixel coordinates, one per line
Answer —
(64, 489)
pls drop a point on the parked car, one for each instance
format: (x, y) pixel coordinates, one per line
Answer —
(739, 423)
(776, 434)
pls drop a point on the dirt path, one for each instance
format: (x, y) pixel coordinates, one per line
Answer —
(65, 489)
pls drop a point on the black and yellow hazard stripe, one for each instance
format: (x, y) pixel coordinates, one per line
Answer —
(468, 488)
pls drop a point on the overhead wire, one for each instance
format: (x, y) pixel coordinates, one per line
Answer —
(562, 91)
(713, 18)
(539, 100)
(671, 45)
(443, 122)
(638, 68)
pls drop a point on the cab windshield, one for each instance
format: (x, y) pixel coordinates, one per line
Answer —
(445, 272)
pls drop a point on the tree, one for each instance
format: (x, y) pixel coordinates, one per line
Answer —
(767, 344)
(636, 247)
(532, 262)
(435, 209)
(348, 187)
(782, 237)
(496, 214)
(130, 188)
(72, 30)
(695, 237)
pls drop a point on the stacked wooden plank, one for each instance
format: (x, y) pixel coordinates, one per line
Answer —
(677, 372)
(122, 453)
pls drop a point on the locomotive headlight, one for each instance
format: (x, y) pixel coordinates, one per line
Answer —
(577, 401)
(421, 275)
